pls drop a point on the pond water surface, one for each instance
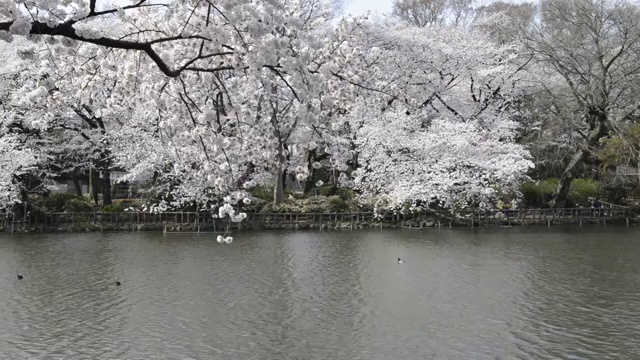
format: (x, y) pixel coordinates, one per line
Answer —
(522, 293)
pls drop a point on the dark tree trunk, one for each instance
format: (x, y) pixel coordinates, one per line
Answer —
(76, 184)
(24, 208)
(278, 189)
(95, 185)
(308, 183)
(285, 173)
(104, 164)
(106, 186)
(597, 120)
(562, 191)
(24, 196)
(311, 157)
(249, 170)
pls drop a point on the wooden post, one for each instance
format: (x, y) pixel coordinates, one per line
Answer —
(549, 223)
(24, 220)
(627, 221)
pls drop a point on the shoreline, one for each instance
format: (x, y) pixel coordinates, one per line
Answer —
(203, 223)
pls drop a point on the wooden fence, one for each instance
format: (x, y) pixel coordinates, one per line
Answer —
(205, 220)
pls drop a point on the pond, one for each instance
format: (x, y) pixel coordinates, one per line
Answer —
(521, 293)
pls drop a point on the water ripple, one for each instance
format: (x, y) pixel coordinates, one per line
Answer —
(521, 294)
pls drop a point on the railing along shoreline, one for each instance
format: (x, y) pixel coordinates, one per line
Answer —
(473, 218)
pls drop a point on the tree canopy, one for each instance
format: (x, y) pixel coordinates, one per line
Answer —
(204, 100)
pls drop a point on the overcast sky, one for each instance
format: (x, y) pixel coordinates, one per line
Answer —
(359, 7)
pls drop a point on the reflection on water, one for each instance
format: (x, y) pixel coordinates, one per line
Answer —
(521, 293)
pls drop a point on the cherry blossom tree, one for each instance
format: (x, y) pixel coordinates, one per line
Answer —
(226, 78)
(207, 98)
(440, 127)
(21, 143)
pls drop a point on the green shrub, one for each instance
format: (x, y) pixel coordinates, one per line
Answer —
(58, 202)
(113, 208)
(327, 190)
(255, 206)
(616, 189)
(37, 212)
(531, 194)
(345, 194)
(294, 194)
(537, 194)
(315, 204)
(77, 205)
(267, 208)
(286, 207)
(635, 193)
(263, 192)
(337, 204)
(548, 186)
(583, 189)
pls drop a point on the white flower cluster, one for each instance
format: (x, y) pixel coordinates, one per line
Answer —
(228, 210)
(227, 239)
(234, 119)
